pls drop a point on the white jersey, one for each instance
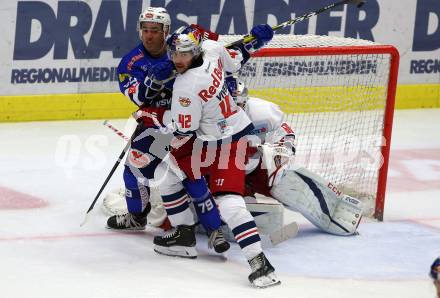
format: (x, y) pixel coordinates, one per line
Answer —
(201, 101)
(267, 118)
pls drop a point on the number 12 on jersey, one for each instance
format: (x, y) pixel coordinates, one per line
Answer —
(225, 106)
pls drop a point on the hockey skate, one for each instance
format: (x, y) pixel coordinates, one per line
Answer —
(263, 274)
(178, 242)
(218, 242)
(129, 221)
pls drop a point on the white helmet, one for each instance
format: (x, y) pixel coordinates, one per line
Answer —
(155, 15)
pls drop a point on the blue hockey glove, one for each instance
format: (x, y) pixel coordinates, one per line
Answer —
(263, 34)
(157, 76)
(162, 70)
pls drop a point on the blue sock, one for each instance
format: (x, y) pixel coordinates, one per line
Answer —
(204, 203)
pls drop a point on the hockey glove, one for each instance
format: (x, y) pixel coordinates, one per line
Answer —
(263, 34)
(231, 82)
(150, 117)
(162, 71)
(156, 78)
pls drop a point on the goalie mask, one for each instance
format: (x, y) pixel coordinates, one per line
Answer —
(155, 15)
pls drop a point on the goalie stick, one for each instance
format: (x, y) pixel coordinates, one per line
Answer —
(284, 233)
(249, 38)
(276, 237)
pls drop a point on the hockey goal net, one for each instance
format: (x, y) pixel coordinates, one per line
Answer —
(338, 96)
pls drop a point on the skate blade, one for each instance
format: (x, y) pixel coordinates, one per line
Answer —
(126, 229)
(177, 251)
(266, 281)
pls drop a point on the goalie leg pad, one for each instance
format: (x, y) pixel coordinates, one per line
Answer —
(348, 214)
(319, 201)
(268, 214)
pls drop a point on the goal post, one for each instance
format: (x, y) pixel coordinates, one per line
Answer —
(338, 95)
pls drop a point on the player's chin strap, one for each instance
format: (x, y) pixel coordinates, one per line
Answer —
(275, 158)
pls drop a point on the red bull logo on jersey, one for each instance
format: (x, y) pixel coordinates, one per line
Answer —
(184, 101)
(217, 76)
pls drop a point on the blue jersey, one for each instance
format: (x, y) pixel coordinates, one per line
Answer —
(132, 72)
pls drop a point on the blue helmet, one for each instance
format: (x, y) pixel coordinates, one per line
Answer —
(185, 39)
(435, 269)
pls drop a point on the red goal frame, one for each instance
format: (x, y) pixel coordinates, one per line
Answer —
(390, 101)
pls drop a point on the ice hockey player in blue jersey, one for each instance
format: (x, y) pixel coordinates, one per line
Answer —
(141, 78)
(145, 76)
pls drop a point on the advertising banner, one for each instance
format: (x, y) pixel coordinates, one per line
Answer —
(66, 47)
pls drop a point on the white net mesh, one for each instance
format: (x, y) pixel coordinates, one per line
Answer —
(304, 41)
(335, 104)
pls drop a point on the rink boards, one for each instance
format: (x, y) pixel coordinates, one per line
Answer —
(115, 105)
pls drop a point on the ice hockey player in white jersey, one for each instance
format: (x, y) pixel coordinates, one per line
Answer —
(324, 205)
(271, 171)
(213, 131)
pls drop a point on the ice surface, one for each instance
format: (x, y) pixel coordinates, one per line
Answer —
(51, 171)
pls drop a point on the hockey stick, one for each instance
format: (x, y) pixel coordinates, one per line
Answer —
(249, 38)
(117, 131)
(121, 156)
